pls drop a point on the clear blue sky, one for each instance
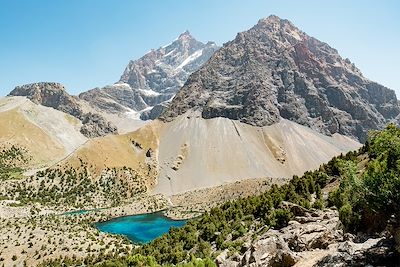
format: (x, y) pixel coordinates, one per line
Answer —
(87, 43)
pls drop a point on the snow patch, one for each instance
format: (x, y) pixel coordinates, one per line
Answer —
(151, 71)
(148, 92)
(169, 53)
(190, 58)
(294, 34)
(120, 85)
(133, 114)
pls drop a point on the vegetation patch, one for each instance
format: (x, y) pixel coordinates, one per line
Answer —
(12, 160)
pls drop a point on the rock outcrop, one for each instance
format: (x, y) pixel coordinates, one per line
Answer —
(154, 78)
(94, 125)
(50, 94)
(154, 112)
(274, 71)
(312, 238)
(53, 95)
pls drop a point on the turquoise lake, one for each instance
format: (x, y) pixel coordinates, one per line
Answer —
(140, 228)
(76, 212)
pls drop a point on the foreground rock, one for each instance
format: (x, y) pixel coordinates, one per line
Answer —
(313, 238)
(275, 71)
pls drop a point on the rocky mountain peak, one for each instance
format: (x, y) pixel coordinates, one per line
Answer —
(49, 94)
(154, 78)
(34, 90)
(185, 35)
(166, 68)
(54, 95)
(274, 71)
(273, 20)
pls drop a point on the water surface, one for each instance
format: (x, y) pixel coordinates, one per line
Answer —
(140, 228)
(76, 212)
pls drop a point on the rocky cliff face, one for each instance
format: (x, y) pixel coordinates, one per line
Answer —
(49, 94)
(53, 95)
(275, 71)
(154, 78)
(95, 125)
(115, 98)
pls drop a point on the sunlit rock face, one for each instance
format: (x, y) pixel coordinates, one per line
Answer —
(274, 71)
(154, 78)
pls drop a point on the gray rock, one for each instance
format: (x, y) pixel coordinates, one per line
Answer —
(154, 78)
(154, 112)
(94, 125)
(272, 251)
(50, 94)
(320, 240)
(53, 95)
(275, 71)
(115, 98)
(372, 252)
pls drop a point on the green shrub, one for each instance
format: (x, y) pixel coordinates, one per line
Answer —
(367, 200)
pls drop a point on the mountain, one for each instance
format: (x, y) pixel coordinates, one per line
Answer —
(275, 71)
(228, 151)
(154, 78)
(53, 95)
(148, 82)
(117, 98)
(47, 134)
(256, 109)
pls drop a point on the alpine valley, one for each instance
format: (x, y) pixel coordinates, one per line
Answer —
(275, 149)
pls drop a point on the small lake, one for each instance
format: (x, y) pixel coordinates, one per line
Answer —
(80, 212)
(141, 228)
(76, 212)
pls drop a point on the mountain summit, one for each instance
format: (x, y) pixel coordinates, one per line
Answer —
(275, 71)
(155, 77)
(166, 69)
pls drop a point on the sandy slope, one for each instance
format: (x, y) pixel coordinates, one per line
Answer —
(48, 134)
(137, 150)
(125, 122)
(198, 153)
(192, 153)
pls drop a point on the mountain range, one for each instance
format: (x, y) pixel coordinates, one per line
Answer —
(239, 111)
(273, 102)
